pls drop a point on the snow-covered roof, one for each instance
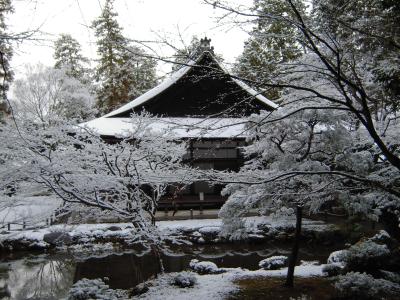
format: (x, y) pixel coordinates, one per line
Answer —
(177, 76)
(154, 91)
(174, 127)
(117, 123)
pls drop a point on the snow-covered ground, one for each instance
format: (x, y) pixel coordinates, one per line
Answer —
(218, 286)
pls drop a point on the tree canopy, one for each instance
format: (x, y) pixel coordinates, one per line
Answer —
(123, 71)
(68, 56)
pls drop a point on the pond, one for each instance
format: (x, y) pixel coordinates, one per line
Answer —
(49, 276)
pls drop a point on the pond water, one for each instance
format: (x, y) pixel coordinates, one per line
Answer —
(49, 276)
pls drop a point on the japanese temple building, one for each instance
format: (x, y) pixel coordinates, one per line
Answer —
(200, 103)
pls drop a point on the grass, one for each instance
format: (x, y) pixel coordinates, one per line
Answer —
(272, 288)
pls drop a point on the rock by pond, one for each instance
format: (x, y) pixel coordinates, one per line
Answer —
(57, 238)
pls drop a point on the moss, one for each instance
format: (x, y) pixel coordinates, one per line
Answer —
(272, 288)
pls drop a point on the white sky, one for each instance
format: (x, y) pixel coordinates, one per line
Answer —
(140, 19)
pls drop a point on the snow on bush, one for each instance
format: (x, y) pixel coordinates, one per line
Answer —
(332, 269)
(204, 267)
(185, 279)
(338, 257)
(86, 289)
(391, 276)
(381, 237)
(364, 286)
(367, 255)
(273, 262)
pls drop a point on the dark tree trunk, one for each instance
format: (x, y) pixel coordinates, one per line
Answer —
(295, 249)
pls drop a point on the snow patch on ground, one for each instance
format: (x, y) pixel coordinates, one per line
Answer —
(207, 287)
(218, 286)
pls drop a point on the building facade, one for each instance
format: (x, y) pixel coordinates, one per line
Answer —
(202, 104)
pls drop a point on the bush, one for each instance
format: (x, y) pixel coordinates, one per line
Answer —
(382, 237)
(367, 256)
(86, 289)
(204, 267)
(185, 279)
(338, 257)
(273, 262)
(363, 286)
(332, 269)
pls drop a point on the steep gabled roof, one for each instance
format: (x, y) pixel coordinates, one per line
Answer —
(201, 88)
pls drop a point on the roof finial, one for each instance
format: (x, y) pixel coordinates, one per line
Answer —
(205, 45)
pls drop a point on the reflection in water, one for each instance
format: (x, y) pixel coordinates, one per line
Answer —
(123, 271)
(51, 277)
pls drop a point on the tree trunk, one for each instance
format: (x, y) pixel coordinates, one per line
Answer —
(295, 249)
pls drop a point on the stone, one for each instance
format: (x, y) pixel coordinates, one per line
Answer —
(57, 238)
(256, 238)
(114, 228)
(210, 232)
(139, 290)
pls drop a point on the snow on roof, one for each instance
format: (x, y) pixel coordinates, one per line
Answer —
(256, 94)
(178, 75)
(250, 90)
(174, 127)
(154, 91)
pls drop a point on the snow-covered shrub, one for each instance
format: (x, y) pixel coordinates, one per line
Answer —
(338, 257)
(382, 237)
(391, 276)
(204, 267)
(185, 279)
(332, 269)
(273, 262)
(364, 286)
(86, 289)
(366, 256)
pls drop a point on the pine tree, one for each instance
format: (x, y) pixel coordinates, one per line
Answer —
(183, 55)
(137, 71)
(371, 29)
(110, 45)
(67, 54)
(271, 43)
(123, 71)
(6, 52)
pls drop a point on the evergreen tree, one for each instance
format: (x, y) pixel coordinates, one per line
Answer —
(6, 53)
(371, 29)
(183, 55)
(67, 54)
(271, 43)
(110, 43)
(123, 72)
(138, 72)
